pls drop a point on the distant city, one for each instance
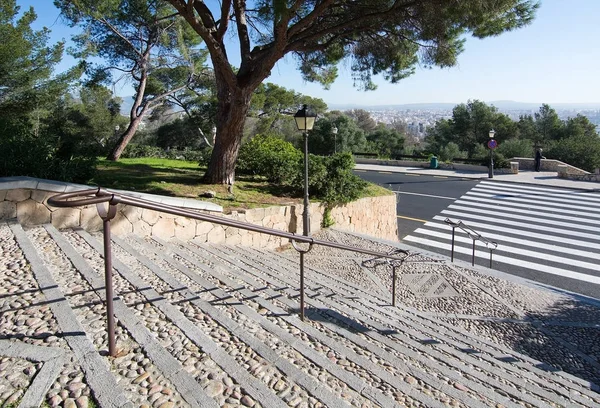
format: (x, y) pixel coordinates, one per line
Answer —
(419, 117)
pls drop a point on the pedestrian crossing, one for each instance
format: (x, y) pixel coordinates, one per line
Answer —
(540, 231)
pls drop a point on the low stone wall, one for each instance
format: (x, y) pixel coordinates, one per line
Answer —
(371, 216)
(446, 166)
(563, 172)
(526, 163)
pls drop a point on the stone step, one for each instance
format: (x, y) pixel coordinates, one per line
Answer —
(377, 352)
(66, 326)
(320, 369)
(547, 381)
(218, 325)
(407, 318)
(238, 318)
(139, 344)
(211, 344)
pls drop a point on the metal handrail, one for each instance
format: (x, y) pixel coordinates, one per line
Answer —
(474, 235)
(100, 196)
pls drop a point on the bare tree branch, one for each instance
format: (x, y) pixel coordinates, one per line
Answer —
(239, 7)
(224, 20)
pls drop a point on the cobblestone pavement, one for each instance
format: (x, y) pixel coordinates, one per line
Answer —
(217, 325)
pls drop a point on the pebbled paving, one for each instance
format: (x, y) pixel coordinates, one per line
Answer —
(217, 325)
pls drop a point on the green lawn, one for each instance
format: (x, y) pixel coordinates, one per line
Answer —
(182, 179)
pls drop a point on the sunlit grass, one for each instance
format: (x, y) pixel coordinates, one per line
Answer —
(181, 178)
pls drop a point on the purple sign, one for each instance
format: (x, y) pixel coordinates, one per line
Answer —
(492, 144)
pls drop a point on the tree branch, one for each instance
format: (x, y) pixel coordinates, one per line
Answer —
(215, 47)
(239, 7)
(121, 36)
(224, 20)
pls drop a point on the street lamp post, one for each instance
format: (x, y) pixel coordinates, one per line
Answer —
(305, 121)
(491, 145)
(334, 130)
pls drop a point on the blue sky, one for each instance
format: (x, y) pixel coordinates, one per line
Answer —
(554, 60)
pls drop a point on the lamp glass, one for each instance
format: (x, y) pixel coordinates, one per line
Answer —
(305, 120)
(492, 133)
(334, 130)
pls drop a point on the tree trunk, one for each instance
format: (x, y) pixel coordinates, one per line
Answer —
(232, 108)
(124, 139)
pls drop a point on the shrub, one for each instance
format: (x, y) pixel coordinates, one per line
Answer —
(516, 148)
(271, 157)
(331, 179)
(25, 154)
(133, 150)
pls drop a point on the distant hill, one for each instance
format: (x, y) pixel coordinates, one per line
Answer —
(503, 105)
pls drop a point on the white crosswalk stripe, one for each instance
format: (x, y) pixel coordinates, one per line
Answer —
(550, 230)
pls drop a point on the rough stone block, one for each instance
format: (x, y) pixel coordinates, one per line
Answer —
(235, 239)
(18, 195)
(30, 212)
(41, 196)
(142, 228)
(3, 194)
(203, 227)
(164, 228)
(216, 235)
(8, 210)
(66, 217)
(133, 214)
(120, 225)
(89, 219)
(185, 228)
(255, 215)
(150, 216)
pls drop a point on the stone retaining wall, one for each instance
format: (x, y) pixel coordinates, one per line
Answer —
(526, 163)
(371, 216)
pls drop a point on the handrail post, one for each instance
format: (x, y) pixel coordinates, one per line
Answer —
(393, 285)
(473, 256)
(106, 216)
(491, 250)
(452, 251)
(302, 286)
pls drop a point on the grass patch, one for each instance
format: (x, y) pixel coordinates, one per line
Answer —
(178, 178)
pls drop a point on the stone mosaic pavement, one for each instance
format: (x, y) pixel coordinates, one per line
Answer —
(217, 325)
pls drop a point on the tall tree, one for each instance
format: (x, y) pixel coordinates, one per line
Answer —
(548, 125)
(363, 119)
(26, 64)
(378, 37)
(135, 37)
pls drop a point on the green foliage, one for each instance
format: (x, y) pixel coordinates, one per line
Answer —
(332, 181)
(579, 151)
(25, 154)
(179, 134)
(145, 39)
(330, 177)
(449, 152)
(269, 156)
(32, 103)
(385, 141)
(273, 105)
(516, 148)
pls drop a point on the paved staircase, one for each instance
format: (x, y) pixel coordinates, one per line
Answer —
(217, 325)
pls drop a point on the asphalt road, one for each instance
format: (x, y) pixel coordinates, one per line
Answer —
(548, 235)
(420, 197)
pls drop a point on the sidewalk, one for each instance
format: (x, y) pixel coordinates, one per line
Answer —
(543, 178)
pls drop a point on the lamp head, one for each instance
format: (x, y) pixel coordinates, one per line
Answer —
(305, 119)
(334, 130)
(492, 133)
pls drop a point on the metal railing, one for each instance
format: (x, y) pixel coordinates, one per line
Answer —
(106, 204)
(474, 235)
(394, 263)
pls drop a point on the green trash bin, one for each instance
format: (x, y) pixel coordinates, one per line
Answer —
(433, 164)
